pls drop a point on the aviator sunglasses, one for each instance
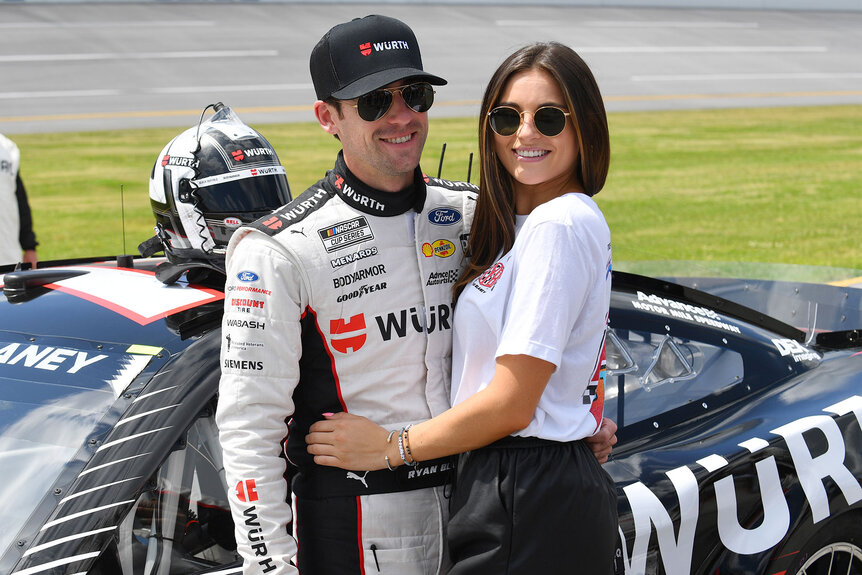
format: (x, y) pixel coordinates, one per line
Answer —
(549, 120)
(374, 105)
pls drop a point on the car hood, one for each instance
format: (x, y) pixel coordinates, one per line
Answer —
(73, 342)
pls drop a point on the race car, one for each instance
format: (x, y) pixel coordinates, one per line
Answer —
(739, 405)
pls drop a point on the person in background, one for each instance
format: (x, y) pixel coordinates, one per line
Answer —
(17, 239)
(529, 338)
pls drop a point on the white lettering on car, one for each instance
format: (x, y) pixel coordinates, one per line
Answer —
(676, 550)
(648, 509)
(813, 470)
(47, 358)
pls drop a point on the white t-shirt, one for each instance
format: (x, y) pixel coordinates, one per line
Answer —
(548, 297)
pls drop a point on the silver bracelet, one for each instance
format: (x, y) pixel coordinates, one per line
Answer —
(386, 457)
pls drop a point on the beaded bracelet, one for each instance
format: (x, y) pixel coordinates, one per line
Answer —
(407, 444)
(401, 448)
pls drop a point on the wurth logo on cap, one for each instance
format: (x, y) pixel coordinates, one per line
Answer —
(368, 47)
(246, 491)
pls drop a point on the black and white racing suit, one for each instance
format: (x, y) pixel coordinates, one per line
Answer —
(340, 301)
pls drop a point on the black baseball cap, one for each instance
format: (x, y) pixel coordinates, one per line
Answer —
(364, 54)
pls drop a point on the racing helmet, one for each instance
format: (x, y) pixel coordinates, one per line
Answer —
(207, 182)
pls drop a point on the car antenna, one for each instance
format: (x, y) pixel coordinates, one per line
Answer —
(442, 153)
(123, 214)
(125, 260)
(469, 166)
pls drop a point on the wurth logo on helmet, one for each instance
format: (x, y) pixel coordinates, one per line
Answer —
(168, 160)
(251, 153)
(368, 47)
(240, 155)
(264, 171)
(246, 490)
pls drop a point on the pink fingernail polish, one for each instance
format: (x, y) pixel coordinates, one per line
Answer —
(328, 414)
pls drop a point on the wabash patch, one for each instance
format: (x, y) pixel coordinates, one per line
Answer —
(345, 234)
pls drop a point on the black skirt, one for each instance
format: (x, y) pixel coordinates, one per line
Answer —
(528, 506)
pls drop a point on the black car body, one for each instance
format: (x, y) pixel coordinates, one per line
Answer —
(740, 440)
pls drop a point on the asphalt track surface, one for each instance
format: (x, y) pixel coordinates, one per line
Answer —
(70, 67)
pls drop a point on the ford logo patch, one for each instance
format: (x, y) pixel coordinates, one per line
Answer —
(444, 216)
(247, 276)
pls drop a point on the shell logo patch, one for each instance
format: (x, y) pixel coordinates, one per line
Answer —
(440, 248)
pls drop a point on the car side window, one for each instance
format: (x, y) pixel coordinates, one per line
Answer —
(181, 522)
(656, 372)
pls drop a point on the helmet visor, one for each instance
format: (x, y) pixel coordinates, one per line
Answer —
(252, 190)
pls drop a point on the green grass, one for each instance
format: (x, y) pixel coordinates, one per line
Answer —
(780, 185)
(759, 185)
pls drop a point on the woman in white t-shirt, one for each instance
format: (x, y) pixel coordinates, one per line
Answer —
(529, 335)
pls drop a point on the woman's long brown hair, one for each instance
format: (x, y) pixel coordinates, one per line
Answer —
(493, 230)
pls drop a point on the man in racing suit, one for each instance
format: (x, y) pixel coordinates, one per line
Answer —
(342, 300)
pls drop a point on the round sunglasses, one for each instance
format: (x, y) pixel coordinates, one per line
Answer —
(374, 105)
(549, 120)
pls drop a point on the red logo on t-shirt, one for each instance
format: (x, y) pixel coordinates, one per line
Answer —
(490, 277)
(365, 49)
